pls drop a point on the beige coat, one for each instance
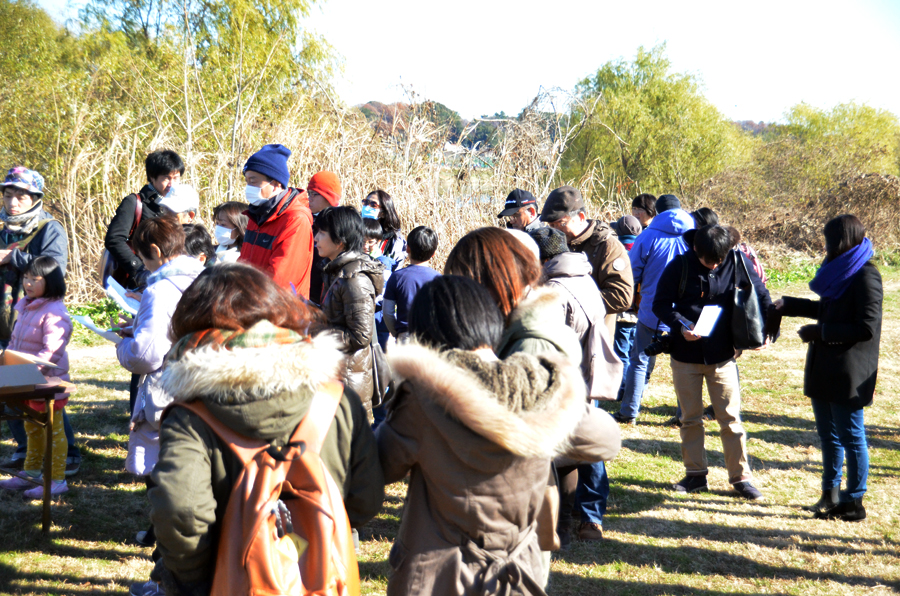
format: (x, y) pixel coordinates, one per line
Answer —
(477, 437)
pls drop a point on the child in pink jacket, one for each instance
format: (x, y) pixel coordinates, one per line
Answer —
(43, 329)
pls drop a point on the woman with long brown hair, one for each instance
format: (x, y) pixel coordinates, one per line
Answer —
(510, 271)
(249, 351)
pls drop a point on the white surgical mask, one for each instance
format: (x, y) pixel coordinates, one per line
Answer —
(252, 194)
(223, 236)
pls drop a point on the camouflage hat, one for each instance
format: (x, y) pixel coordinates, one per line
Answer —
(29, 180)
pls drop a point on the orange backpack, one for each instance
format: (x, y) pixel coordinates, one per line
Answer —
(285, 530)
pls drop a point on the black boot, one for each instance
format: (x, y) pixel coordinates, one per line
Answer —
(829, 499)
(850, 511)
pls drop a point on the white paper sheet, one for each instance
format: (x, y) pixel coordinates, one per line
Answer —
(117, 293)
(707, 321)
(104, 333)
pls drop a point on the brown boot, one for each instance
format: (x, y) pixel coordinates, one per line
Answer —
(590, 531)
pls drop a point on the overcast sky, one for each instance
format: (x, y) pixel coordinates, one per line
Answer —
(755, 59)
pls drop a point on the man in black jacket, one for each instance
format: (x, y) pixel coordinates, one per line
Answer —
(703, 277)
(164, 168)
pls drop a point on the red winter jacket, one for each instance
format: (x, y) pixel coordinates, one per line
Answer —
(283, 245)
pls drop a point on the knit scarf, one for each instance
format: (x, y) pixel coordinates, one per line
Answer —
(23, 223)
(834, 277)
(261, 334)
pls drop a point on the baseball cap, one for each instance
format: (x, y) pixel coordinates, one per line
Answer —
(516, 200)
(181, 198)
(561, 202)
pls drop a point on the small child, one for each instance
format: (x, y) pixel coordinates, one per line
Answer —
(372, 247)
(405, 283)
(43, 329)
(198, 244)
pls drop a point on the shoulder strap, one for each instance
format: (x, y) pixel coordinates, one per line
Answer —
(138, 211)
(244, 447)
(314, 426)
(740, 264)
(684, 274)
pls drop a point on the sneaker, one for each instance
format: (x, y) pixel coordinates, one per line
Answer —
(144, 538)
(709, 413)
(57, 487)
(148, 588)
(618, 417)
(14, 463)
(15, 483)
(673, 421)
(590, 531)
(747, 490)
(691, 484)
(72, 466)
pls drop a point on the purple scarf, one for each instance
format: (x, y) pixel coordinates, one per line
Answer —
(834, 277)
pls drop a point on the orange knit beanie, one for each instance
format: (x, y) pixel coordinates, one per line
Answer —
(328, 185)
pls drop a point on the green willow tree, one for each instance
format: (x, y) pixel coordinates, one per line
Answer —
(651, 130)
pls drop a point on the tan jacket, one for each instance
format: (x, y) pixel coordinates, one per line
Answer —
(477, 437)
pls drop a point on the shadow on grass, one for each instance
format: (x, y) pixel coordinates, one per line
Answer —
(13, 581)
(763, 537)
(564, 584)
(685, 559)
(105, 384)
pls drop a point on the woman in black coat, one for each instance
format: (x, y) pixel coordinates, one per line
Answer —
(842, 361)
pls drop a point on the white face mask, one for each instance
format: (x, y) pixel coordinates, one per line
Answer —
(223, 236)
(252, 194)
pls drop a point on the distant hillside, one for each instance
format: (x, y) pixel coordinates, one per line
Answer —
(393, 118)
(754, 128)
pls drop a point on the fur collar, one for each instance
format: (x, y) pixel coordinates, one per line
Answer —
(540, 431)
(253, 374)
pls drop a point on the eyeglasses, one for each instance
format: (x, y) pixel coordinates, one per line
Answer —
(370, 203)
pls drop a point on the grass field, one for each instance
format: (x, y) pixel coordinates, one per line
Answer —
(656, 542)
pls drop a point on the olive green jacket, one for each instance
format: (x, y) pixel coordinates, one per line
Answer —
(263, 393)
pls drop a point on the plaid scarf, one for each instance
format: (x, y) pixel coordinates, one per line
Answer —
(260, 335)
(23, 223)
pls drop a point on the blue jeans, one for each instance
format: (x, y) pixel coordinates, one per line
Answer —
(640, 366)
(622, 341)
(841, 430)
(592, 492)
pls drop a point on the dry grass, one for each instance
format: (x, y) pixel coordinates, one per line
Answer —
(656, 542)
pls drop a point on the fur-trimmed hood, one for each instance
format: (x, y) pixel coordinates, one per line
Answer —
(528, 405)
(540, 319)
(259, 391)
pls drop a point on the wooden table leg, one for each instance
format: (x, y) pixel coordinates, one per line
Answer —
(48, 465)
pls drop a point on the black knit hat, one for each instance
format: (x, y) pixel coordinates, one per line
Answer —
(667, 202)
(550, 241)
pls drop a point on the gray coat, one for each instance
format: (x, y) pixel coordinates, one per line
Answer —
(570, 273)
(477, 437)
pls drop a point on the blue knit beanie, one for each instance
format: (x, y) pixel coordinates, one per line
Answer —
(666, 203)
(271, 161)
